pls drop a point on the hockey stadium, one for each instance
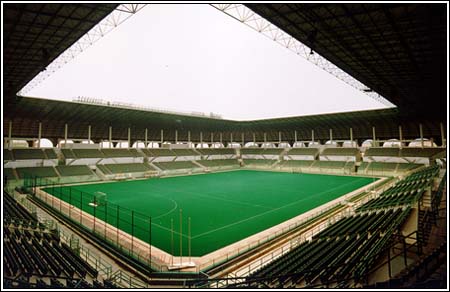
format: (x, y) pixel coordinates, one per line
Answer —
(101, 194)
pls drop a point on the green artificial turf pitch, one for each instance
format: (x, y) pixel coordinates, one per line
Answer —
(223, 207)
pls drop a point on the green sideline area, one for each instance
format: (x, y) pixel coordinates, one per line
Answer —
(223, 207)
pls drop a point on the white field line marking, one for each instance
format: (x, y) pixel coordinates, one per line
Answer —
(258, 215)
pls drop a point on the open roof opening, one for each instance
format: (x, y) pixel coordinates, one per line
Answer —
(196, 59)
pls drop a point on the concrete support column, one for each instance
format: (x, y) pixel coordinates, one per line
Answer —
(212, 138)
(89, 134)
(66, 130)
(162, 137)
(265, 137)
(10, 135)
(444, 142)
(110, 137)
(189, 136)
(279, 137)
(201, 139)
(176, 136)
(129, 138)
(421, 135)
(351, 136)
(400, 134)
(374, 137)
(220, 137)
(146, 138)
(312, 135)
(331, 135)
(39, 135)
(295, 136)
(242, 139)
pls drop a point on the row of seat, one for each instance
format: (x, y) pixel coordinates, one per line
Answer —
(386, 167)
(405, 192)
(125, 168)
(49, 153)
(305, 165)
(259, 162)
(96, 153)
(47, 171)
(359, 223)
(54, 283)
(31, 250)
(12, 209)
(27, 154)
(348, 248)
(403, 152)
(218, 162)
(330, 258)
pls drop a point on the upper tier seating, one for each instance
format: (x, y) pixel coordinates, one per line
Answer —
(88, 153)
(75, 170)
(156, 152)
(136, 153)
(50, 153)
(216, 151)
(7, 155)
(421, 152)
(272, 151)
(175, 165)
(24, 154)
(340, 152)
(382, 151)
(218, 162)
(111, 153)
(304, 151)
(251, 151)
(185, 152)
(68, 154)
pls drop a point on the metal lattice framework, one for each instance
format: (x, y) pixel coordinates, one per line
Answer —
(251, 19)
(114, 19)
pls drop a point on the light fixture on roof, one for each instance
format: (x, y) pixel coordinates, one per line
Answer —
(311, 52)
(368, 90)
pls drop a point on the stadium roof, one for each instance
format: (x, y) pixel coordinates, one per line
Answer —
(398, 50)
(26, 111)
(37, 33)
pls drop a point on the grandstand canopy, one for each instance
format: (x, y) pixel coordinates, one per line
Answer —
(398, 50)
(34, 34)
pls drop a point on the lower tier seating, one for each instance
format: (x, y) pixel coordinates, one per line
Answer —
(174, 165)
(43, 171)
(332, 258)
(128, 168)
(218, 162)
(259, 162)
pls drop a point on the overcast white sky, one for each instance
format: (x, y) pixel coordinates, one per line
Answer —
(196, 58)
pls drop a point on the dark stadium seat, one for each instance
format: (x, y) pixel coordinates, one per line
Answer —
(26, 154)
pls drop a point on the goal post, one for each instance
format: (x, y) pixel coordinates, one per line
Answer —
(98, 199)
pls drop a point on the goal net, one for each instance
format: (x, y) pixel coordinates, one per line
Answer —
(99, 199)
